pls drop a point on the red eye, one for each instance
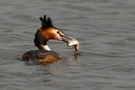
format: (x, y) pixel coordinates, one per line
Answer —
(58, 32)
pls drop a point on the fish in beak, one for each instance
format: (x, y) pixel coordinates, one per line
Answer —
(70, 41)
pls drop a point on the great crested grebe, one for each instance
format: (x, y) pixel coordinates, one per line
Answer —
(47, 31)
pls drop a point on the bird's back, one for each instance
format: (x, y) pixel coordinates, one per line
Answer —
(41, 56)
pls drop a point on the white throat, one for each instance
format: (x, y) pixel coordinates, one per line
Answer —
(45, 47)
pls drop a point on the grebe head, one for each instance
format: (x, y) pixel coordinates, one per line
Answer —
(48, 32)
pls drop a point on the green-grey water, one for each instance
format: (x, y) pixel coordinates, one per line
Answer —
(105, 29)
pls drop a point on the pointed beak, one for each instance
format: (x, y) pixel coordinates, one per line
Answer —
(66, 38)
(69, 40)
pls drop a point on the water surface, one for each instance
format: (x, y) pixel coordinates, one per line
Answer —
(105, 29)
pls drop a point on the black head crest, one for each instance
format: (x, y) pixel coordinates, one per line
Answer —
(46, 22)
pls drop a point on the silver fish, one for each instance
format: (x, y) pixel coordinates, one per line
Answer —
(75, 43)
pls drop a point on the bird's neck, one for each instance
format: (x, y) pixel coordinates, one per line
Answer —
(45, 47)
